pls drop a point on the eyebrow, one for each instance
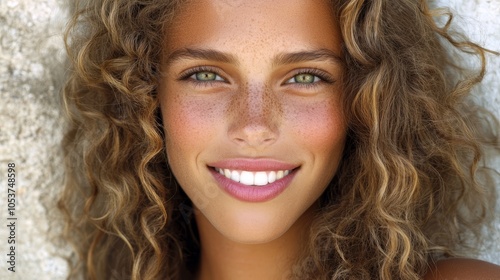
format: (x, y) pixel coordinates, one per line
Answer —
(280, 59)
(296, 57)
(207, 54)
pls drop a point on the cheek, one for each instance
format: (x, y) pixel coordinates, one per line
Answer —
(189, 122)
(319, 126)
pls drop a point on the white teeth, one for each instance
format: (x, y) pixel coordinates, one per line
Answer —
(260, 179)
(235, 176)
(272, 177)
(249, 178)
(227, 173)
(279, 174)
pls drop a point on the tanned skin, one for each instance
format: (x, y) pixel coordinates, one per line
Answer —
(463, 269)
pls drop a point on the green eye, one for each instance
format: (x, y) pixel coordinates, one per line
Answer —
(304, 78)
(206, 76)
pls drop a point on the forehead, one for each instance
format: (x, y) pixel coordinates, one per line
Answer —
(234, 25)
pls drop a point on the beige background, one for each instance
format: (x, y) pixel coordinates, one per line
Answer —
(31, 71)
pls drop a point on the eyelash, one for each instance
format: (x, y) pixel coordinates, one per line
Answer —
(323, 77)
(186, 76)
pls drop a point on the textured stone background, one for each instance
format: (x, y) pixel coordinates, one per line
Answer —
(31, 71)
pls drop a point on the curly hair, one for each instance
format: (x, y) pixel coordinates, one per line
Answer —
(407, 191)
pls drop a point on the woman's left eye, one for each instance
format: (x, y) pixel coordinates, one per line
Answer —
(304, 78)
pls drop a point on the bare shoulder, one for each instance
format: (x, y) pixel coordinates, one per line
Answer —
(463, 269)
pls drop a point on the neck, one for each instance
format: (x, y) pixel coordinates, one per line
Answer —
(224, 259)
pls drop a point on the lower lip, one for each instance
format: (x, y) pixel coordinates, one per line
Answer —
(253, 193)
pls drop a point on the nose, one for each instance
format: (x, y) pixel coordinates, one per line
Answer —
(255, 117)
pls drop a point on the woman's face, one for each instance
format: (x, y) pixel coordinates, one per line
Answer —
(251, 89)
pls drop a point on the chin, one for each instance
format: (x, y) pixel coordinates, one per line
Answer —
(255, 224)
(254, 234)
(253, 227)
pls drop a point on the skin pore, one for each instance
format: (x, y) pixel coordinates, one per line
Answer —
(252, 82)
(258, 81)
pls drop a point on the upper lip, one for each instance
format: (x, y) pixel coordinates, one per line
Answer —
(253, 164)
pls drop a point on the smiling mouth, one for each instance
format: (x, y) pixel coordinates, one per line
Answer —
(251, 178)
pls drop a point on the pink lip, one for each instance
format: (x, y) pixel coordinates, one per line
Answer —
(253, 193)
(253, 164)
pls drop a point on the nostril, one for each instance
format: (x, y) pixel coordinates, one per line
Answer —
(254, 136)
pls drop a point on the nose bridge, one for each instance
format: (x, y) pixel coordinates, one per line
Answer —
(256, 112)
(255, 104)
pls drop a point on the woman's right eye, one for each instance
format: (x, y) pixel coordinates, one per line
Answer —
(206, 76)
(203, 75)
